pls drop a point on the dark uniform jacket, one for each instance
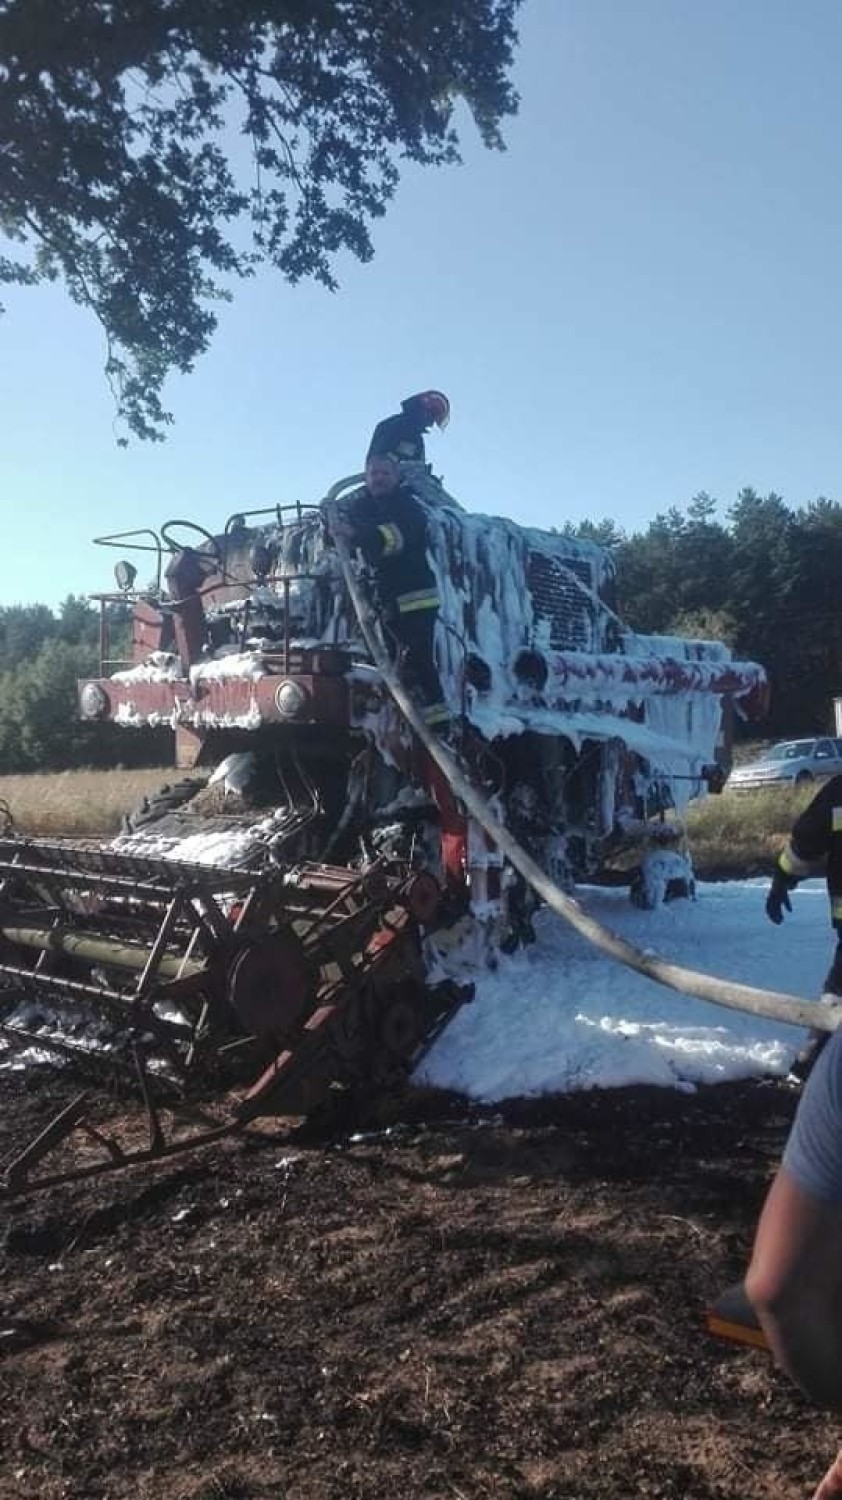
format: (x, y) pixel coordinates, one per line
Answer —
(399, 435)
(815, 845)
(391, 533)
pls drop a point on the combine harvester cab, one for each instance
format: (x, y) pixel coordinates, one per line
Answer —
(256, 934)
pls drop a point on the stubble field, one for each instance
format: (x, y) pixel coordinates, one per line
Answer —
(432, 1299)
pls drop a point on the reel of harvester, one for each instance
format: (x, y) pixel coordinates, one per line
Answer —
(248, 993)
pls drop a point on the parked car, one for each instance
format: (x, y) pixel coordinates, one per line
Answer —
(790, 761)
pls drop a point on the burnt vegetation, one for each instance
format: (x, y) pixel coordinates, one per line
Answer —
(472, 1305)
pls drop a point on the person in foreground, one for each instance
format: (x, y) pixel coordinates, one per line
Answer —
(794, 1280)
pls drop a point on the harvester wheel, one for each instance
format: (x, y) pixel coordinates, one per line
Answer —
(397, 1025)
(7, 822)
(664, 874)
(350, 1035)
(167, 799)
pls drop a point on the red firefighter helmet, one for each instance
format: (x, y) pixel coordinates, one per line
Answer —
(432, 406)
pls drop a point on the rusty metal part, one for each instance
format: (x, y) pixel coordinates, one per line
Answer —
(261, 990)
(17, 1180)
(324, 700)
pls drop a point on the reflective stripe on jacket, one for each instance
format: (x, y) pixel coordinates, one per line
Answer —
(419, 599)
(436, 714)
(392, 537)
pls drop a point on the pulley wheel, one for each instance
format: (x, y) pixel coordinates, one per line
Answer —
(269, 985)
(398, 1029)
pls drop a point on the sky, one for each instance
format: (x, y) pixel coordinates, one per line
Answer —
(559, 1016)
(639, 300)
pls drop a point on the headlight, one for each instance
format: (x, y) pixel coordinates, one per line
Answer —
(290, 699)
(530, 668)
(125, 574)
(93, 701)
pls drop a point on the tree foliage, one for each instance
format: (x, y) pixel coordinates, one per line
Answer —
(765, 581)
(42, 654)
(140, 136)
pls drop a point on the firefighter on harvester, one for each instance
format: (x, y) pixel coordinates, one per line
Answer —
(403, 434)
(814, 847)
(386, 524)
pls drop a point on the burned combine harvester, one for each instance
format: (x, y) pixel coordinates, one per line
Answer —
(256, 934)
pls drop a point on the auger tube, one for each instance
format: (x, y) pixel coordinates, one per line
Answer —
(775, 1005)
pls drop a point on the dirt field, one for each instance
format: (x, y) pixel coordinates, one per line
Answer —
(464, 1307)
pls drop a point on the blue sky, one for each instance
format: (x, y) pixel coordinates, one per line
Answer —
(640, 299)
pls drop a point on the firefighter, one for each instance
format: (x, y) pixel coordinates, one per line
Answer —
(386, 523)
(403, 433)
(814, 847)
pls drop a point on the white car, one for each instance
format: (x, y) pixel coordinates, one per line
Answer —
(790, 762)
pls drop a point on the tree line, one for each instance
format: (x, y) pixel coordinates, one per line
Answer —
(42, 654)
(764, 581)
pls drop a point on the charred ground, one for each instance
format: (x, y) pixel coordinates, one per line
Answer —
(472, 1304)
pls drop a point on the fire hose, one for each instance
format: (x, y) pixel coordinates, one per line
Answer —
(773, 1004)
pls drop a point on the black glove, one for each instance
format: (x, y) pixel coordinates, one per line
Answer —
(778, 897)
